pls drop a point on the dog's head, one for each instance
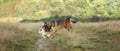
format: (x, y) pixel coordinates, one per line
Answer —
(47, 26)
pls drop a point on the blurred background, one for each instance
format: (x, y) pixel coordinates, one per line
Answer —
(39, 9)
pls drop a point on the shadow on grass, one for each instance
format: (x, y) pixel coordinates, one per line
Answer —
(80, 19)
(52, 18)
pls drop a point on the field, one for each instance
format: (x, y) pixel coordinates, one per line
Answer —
(97, 29)
(87, 36)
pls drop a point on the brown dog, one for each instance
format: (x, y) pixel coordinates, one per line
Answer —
(50, 28)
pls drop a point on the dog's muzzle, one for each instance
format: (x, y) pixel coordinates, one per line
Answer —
(41, 31)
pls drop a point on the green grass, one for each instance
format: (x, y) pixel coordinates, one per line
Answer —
(16, 39)
(85, 37)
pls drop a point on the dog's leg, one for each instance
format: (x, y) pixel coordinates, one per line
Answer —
(42, 32)
(43, 36)
(48, 35)
(69, 28)
(52, 32)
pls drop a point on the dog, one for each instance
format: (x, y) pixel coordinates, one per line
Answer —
(50, 28)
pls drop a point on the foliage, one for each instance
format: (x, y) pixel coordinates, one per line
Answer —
(37, 9)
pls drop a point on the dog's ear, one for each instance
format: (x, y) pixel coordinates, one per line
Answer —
(45, 23)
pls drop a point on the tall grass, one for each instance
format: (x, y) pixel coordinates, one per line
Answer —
(108, 27)
(13, 38)
(101, 36)
(97, 36)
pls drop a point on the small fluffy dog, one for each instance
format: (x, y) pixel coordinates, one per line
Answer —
(50, 28)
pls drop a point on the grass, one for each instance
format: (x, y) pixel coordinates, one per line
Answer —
(15, 39)
(109, 27)
(85, 37)
(108, 35)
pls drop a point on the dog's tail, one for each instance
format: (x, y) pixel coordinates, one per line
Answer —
(71, 20)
